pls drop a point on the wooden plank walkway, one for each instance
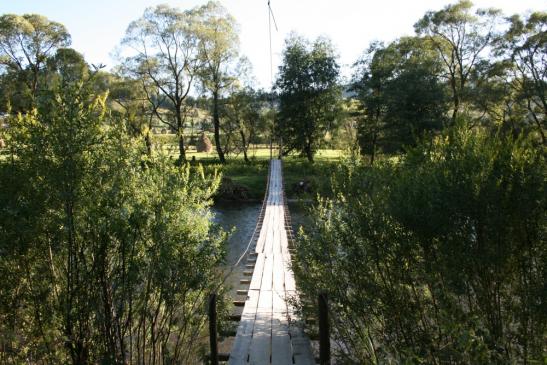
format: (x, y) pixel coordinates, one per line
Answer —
(268, 333)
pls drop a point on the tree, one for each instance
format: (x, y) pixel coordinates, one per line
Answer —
(219, 43)
(67, 64)
(424, 259)
(524, 47)
(242, 110)
(26, 41)
(139, 100)
(166, 49)
(461, 39)
(103, 261)
(309, 94)
(401, 95)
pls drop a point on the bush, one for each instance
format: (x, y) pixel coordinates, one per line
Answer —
(440, 258)
(105, 257)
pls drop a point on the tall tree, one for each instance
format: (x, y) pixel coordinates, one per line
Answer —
(309, 94)
(219, 43)
(138, 104)
(242, 110)
(524, 46)
(166, 51)
(461, 39)
(401, 95)
(26, 41)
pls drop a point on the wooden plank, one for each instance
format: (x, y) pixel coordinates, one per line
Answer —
(278, 273)
(284, 242)
(278, 231)
(261, 346)
(301, 350)
(262, 234)
(270, 226)
(290, 284)
(268, 245)
(256, 280)
(242, 342)
(281, 341)
(301, 347)
(267, 275)
(289, 275)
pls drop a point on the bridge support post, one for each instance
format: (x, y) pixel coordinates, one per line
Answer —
(324, 335)
(213, 342)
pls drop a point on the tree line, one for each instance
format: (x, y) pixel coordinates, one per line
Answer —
(461, 64)
(173, 63)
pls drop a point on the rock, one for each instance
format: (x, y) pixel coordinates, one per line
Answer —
(229, 190)
(302, 187)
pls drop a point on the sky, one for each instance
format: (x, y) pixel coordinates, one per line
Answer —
(97, 26)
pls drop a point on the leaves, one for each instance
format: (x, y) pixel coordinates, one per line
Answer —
(425, 259)
(109, 259)
(309, 94)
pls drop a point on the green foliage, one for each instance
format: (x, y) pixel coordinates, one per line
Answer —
(297, 169)
(243, 119)
(106, 257)
(309, 94)
(218, 52)
(461, 37)
(401, 95)
(440, 258)
(26, 41)
(252, 175)
(524, 51)
(164, 58)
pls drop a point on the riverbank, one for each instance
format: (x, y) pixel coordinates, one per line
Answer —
(247, 181)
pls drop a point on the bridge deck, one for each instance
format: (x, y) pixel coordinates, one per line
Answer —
(267, 333)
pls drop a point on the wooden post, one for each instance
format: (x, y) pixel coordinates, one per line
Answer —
(213, 328)
(324, 335)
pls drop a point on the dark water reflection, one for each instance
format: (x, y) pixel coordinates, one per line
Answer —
(242, 217)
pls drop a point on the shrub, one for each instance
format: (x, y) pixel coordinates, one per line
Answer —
(105, 258)
(440, 258)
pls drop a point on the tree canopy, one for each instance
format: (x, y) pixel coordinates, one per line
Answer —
(309, 94)
(26, 41)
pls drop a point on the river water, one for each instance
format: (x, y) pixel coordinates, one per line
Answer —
(241, 217)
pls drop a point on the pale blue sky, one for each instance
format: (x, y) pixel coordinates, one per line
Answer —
(97, 26)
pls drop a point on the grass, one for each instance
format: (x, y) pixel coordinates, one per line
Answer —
(317, 174)
(253, 175)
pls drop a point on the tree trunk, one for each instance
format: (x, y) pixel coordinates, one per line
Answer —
(182, 152)
(148, 142)
(456, 101)
(373, 153)
(537, 121)
(180, 133)
(244, 145)
(216, 123)
(308, 151)
(148, 138)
